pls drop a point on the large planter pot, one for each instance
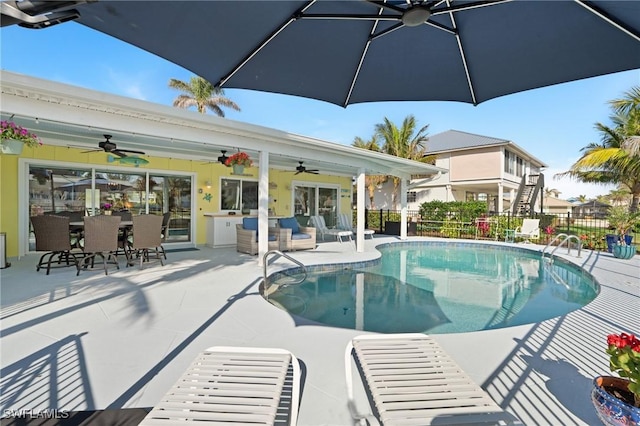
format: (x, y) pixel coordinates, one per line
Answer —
(611, 410)
(12, 147)
(624, 252)
(612, 240)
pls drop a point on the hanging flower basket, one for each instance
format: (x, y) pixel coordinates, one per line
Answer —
(239, 159)
(14, 138)
(11, 146)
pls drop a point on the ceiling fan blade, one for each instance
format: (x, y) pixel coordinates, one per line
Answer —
(92, 150)
(119, 153)
(313, 172)
(130, 151)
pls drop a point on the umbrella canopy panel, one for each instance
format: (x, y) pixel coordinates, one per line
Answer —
(362, 51)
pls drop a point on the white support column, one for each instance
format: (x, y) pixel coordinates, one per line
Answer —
(403, 208)
(360, 207)
(500, 197)
(512, 197)
(263, 205)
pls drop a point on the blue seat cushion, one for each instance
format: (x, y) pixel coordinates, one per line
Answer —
(291, 223)
(270, 238)
(300, 236)
(250, 223)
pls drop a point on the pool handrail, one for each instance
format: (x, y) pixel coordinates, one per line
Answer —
(279, 253)
(565, 238)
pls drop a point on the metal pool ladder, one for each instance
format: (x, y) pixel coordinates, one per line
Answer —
(279, 253)
(564, 238)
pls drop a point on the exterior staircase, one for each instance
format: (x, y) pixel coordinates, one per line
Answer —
(530, 187)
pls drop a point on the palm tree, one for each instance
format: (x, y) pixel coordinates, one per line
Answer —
(371, 181)
(201, 94)
(616, 159)
(619, 196)
(405, 142)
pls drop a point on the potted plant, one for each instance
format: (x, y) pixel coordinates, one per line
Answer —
(106, 208)
(617, 399)
(622, 220)
(15, 137)
(239, 161)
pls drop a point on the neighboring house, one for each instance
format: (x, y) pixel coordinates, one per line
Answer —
(556, 206)
(480, 168)
(592, 208)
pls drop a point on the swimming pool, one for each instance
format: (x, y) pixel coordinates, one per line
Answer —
(436, 287)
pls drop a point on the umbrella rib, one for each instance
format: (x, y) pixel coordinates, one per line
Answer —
(600, 14)
(387, 31)
(266, 41)
(468, 6)
(364, 53)
(464, 59)
(338, 16)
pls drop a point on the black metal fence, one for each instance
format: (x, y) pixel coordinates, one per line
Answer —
(458, 224)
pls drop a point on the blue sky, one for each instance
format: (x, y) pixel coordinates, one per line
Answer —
(551, 123)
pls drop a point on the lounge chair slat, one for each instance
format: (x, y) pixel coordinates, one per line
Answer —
(413, 381)
(197, 415)
(429, 392)
(223, 405)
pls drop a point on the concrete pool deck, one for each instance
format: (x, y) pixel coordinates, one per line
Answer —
(120, 341)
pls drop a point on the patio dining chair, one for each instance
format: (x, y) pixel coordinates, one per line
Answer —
(233, 385)
(164, 233)
(145, 240)
(413, 381)
(100, 239)
(53, 235)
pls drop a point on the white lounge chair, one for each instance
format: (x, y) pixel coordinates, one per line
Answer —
(412, 381)
(322, 229)
(344, 222)
(530, 230)
(230, 385)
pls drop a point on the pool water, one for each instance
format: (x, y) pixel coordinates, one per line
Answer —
(439, 288)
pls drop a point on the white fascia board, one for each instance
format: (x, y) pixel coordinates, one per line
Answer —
(30, 96)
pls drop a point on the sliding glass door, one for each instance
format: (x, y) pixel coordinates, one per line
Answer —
(90, 191)
(315, 199)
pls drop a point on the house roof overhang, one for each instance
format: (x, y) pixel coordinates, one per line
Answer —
(72, 116)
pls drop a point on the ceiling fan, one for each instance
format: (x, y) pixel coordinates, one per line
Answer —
(221, 159)
(112, 148)
(303, 169)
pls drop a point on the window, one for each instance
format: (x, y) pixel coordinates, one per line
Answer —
(509, 159)
(513, 164)
(411, 197)
(520, 167)
(237, 194)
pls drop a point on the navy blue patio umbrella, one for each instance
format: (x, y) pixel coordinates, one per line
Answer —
(347, 52)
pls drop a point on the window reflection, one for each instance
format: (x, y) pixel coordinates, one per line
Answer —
(240, 195)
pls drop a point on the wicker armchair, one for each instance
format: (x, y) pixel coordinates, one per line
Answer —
(100, 239)
(247, 238)
(292, 236)
(53, 236)
(147, 239)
